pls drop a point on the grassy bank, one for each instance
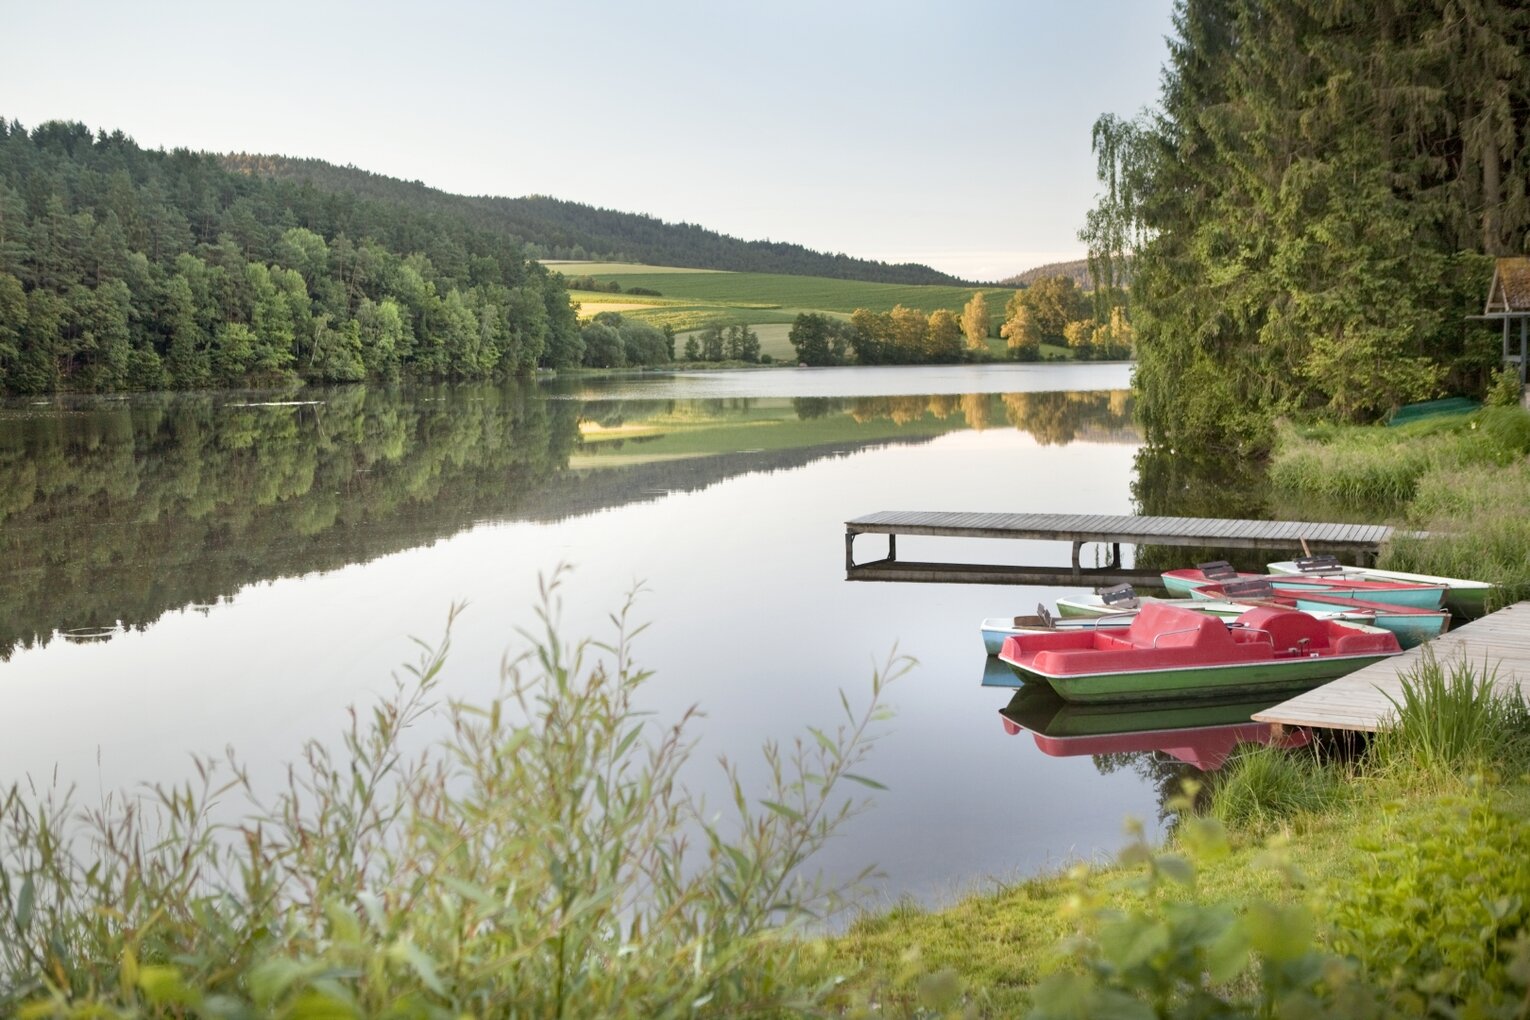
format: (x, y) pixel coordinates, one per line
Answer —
(1391, 883)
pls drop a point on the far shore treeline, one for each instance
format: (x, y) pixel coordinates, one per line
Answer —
(124, 268)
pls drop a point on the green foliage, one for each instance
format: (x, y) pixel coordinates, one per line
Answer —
(1263, 785)
(1361, 468)
(1505, 390)
(1464, 479)
(1440, 912)
(1505, 431)
(820, 339)
(1172, 955)
(1295, 239)
(543, 861)
(904, 336)
(1453, 720)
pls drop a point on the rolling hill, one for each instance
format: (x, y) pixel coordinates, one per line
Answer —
(553, 228)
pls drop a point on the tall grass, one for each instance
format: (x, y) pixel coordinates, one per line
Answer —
(1476, 526)
(1264, 785)
(1362, 468)
(543, 860)
(1453, 719)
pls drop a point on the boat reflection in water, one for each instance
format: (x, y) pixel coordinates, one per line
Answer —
(1199, 733)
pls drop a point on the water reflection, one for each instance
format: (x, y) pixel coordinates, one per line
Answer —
(203, 573)
(113, 512)
(1167, 741)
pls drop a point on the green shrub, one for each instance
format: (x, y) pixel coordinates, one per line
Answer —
(1263, 785)
(1439, 914)
(544, 860)
(1505, 390)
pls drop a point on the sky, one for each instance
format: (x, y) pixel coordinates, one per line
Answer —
(953, 133)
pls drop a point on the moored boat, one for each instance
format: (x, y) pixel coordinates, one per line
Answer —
(1093, 604)
(1182, 582)
(1413, 625)
(1397, 593)
(1466, 599)
(1085, 606)
(1169, 652)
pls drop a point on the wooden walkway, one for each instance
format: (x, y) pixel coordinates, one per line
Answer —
(1359, 701)
(1360, 541)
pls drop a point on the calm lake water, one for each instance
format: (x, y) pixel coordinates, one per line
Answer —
(183, 572)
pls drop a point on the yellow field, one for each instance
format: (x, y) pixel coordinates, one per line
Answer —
(568, 267)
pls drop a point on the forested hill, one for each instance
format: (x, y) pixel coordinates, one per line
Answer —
(1076, 270)
(126, 268)
(555, 229)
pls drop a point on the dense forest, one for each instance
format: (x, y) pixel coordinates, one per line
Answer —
(556, 229)
(1312, 212)
(125, 268)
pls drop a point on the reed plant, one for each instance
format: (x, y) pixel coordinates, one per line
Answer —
(1265, 785)
(544, 859)
(1452, 720)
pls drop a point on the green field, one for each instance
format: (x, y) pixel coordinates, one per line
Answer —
(696, 298)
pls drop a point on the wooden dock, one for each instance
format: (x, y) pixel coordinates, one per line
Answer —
(1360, 541)
(1359, 701)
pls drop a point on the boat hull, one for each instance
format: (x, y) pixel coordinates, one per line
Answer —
(1250, 679)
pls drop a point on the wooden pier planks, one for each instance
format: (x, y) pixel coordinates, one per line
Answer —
(1359, 701)
(1361, 541)
(1191, 531)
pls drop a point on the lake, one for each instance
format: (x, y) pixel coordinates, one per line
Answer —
(186, 572)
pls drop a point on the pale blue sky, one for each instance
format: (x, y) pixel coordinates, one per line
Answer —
(954, 133)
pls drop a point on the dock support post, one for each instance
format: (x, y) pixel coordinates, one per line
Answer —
(849, 550)
(892, 547)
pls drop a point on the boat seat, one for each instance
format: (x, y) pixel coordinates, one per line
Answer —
(1289, 630)
(1161, 626)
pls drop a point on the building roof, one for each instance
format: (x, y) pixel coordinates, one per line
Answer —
(1510, 289)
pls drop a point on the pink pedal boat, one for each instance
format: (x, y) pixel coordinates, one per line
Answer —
(1169, 652)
